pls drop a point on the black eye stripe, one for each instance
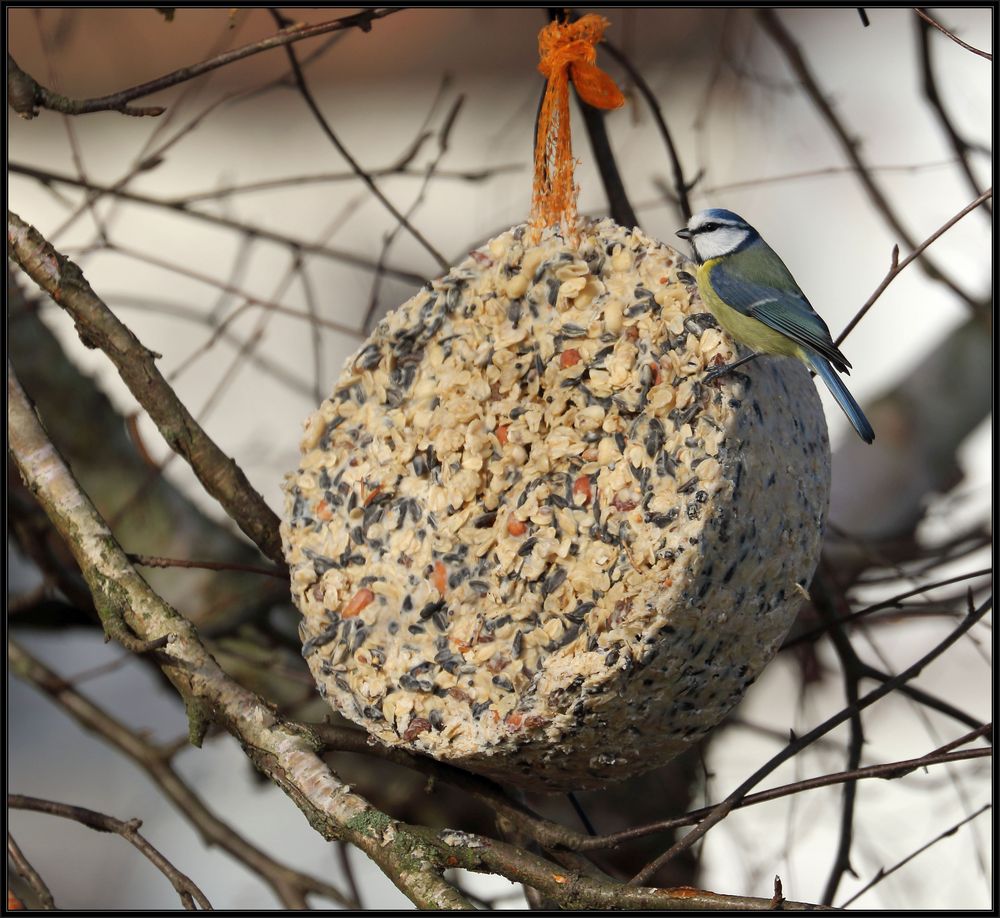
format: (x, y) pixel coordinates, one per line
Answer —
(712, 227)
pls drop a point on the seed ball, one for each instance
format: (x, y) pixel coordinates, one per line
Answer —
(528, 539)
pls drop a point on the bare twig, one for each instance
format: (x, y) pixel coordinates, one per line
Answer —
(892, 603)
(289, 885)
(261, 232)
(797, 62)
(824, 595)
(98, 326)
(266, 365)
(151, 561)
(28, 95)
(567, 885)
(304, 91)
(460, 175)
(344, 859)
(958, 143)
(926, 699)
(443, 139)
(720, 811)
(619, 206)
(552, 835)
(189, 893)
(937, 25)
(28, 873)
(823, 171)
(681, 185)
(882, 873)
(896, 266)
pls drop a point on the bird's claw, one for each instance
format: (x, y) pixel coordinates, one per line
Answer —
(716, 372)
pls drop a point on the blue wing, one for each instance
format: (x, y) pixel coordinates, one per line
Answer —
(755, 282)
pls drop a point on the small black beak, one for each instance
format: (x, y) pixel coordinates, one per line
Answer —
(684, 233)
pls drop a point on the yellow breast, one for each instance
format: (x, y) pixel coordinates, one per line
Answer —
(745, 329)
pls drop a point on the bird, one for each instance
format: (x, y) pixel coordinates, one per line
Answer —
(755, 298)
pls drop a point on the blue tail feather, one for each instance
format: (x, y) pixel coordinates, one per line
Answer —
(844, 398)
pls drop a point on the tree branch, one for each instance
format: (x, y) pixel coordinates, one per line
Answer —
(28, 873)
(898, 266)
(98, 326)
(882, 873)
(298, 245)
(189, 893)
(289, 885)
(797, 62)
(25, 95)
(824, 598)
(721, 810)
(284, 752)
(937, 25)
(151, 561)
(958, 143)
(300, 82)
(681, 185)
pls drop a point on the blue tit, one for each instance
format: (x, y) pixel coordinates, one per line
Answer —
(755, 298)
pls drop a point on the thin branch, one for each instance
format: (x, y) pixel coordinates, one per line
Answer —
(268, 366)
(28, 873)
(151, 561)
(220, 328)
(896, 266)
(552, 835)
(958, 143)
(26, 96)
(619, 206)
(344, 859)
(443, 140)
(797, 62)
(300, 245)
(893, 603)
(882, 874)
(937, 25)
(189, 893)
(824, 596)
(824, 171)
(99, 326)
(723, 809)
(461, 175)
(567, 885)
(885, 771)
(304, 91)
(926, 699)
(681, 185)
(289, 885)
(316, 334)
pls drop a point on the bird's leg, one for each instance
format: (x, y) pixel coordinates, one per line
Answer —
(716, 372)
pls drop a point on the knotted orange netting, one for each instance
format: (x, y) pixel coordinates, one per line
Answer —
(567, 51)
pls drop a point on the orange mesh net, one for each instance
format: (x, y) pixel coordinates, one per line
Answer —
(568, 52)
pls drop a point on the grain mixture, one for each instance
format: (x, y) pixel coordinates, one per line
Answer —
(527, 539)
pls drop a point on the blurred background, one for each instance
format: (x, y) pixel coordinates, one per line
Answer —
(234, 240)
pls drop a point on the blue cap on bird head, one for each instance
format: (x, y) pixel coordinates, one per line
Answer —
(720, 213)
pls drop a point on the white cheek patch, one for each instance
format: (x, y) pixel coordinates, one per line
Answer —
(719, 242)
